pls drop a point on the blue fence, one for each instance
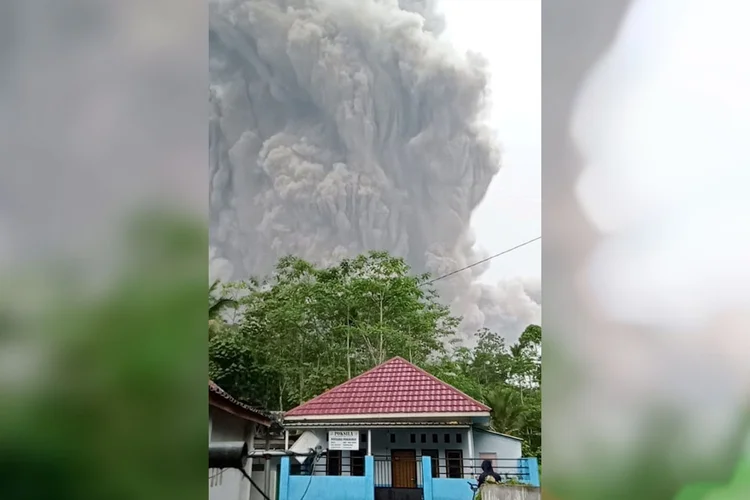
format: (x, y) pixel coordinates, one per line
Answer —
(312, 487)
(442, 488)
(323, 487)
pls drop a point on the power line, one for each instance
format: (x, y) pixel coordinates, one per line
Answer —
(483, 260)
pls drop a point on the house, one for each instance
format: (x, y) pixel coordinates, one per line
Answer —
(232, 420)
(396, 431)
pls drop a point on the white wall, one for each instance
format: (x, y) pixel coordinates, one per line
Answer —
(503, 447)
(507, 450)
(382, 446)
(229, 484)
(260, 479)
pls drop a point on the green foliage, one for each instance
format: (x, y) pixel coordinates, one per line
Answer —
(506, 378)
(217, 304)
(116, 404)
(307, 328)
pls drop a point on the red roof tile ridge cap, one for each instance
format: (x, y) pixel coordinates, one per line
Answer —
(447, 385)
(303, 406)
(310, 401)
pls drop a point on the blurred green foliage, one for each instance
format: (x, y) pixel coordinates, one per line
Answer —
(653, 470)
(115, 403)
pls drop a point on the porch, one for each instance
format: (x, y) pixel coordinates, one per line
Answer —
(392, 477)
(456, 450)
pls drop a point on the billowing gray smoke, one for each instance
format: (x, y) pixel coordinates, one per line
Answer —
(340, 126)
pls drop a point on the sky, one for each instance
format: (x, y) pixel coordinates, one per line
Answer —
(508, 34)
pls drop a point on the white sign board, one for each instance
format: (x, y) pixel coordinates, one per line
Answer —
(343, 440)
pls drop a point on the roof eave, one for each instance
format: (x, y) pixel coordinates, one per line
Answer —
(488, 431)
(392, 416)
(224, 404)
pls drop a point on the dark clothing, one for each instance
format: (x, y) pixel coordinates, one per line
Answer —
(487, 472)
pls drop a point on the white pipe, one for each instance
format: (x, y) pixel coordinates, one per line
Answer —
(471, 443)
(286, 440)
(369, 442)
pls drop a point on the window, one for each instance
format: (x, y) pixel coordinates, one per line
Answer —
(333, 463)
(357, 463)
(435, 460)
(413, 438)
(363, 441)
(423, 438)
(434, 438)
(259, 467)
(393, 438)
(447, 438)
(459, 438)
(454, 460)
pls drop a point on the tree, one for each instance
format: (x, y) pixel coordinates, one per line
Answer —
(217, 304)
(306, 328)
(506, 378)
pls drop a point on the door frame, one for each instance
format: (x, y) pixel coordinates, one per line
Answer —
(415, 469)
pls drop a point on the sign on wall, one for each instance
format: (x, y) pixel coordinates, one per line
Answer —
(343, 440)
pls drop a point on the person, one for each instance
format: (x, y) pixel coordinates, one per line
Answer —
(488, 475)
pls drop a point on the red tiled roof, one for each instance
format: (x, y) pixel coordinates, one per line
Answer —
(235, 406)
(396, 386)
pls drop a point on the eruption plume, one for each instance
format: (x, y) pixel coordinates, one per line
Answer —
(341, 126)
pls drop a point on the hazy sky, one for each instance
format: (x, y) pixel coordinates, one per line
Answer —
(508, 34)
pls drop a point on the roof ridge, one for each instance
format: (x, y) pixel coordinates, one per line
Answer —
(354, 392)
(347, 382)
(450, 386)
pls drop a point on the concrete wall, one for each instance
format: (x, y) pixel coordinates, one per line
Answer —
(227, 484)
(458, 489)
(259, 471)
(507, 450)
(363, 488)
(327, 487)
(230, 484)
(489, 442)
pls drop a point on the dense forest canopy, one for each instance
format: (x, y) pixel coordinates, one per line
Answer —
(305, 329)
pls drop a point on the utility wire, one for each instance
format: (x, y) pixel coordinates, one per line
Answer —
(483, 260)
(244, 473)
(221, 471)
(312, 472)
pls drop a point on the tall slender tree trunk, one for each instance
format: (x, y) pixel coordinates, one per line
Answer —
(348, 346)
(348, 355)
(380, 347)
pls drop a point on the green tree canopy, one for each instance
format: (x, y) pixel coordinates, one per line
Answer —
(308, 328)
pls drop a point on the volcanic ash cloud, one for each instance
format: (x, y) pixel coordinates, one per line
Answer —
(341, 126)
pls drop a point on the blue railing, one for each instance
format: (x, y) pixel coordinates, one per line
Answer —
(323, 487)
(436, 483)
(525, 471)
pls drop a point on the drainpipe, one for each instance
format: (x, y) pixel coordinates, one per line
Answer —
(286, 440)
(267, 464)
(250, 440)
(471, 445)
(369, 442)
